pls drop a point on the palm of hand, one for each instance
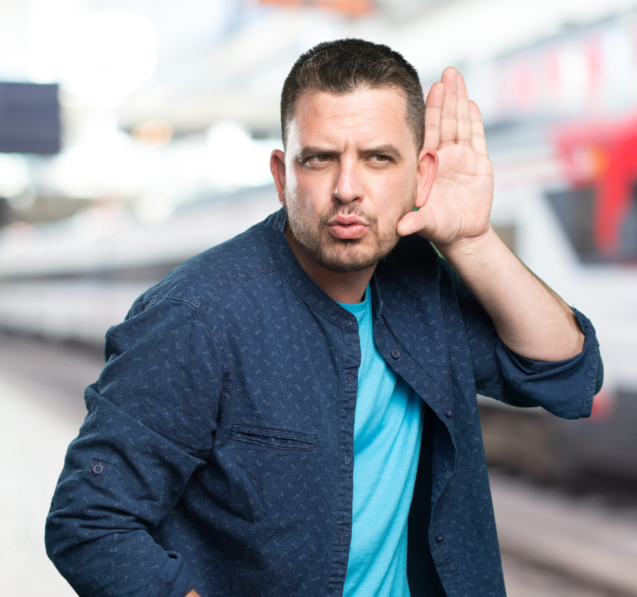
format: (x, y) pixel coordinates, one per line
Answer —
(459, 203)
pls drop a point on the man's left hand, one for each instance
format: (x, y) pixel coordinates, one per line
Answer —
(458, 206)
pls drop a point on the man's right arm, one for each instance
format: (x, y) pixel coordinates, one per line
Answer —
(150, 425)
(564, 388)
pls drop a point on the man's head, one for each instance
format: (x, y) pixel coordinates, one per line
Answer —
(345, 65)
(353, 127)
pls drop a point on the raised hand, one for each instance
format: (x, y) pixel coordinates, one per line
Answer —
(457, 207)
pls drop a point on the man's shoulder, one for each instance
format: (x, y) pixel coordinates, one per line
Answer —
(242, 258)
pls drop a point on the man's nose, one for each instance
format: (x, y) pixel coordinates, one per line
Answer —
(348, 186)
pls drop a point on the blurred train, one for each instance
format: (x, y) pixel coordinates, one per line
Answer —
(566, 203)
(72, 279)
(572, 204)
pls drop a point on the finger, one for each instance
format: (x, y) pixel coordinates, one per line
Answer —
(478, 140)
(433, 111)
(449, 117)
(463, 134)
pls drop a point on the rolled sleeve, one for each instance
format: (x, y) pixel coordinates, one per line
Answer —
(150, 424)
(564, 388)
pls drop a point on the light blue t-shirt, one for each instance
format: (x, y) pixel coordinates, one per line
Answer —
(387, 432)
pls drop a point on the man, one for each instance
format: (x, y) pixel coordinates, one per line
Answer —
(294, 412)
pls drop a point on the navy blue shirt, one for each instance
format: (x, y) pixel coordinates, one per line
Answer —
(218, 448)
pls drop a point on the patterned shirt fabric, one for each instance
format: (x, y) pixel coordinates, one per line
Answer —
(218, 447)
(387, 430)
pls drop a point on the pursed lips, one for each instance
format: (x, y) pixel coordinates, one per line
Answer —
(347, 227)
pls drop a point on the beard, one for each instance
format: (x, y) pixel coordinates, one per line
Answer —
(344, 255)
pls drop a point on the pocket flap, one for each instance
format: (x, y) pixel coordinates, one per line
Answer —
(279, 439)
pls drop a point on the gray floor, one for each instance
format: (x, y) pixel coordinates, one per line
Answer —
(556, 544)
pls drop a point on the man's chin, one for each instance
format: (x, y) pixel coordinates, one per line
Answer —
(351, 258)
(340, 267)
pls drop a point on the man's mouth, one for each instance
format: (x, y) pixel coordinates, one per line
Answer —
(347, 227)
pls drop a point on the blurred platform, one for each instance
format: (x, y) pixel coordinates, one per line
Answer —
(554, 543)
(33, 440)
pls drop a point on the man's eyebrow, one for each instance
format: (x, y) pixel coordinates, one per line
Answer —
(312, 150)
(390, 150)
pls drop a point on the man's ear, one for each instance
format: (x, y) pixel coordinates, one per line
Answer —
(427, 166)
(277, 167)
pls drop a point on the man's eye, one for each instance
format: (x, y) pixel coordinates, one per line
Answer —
(380, 158)
(319, 159)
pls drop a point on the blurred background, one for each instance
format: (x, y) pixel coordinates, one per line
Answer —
(135, 134)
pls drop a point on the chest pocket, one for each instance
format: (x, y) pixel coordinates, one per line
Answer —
(276, 439)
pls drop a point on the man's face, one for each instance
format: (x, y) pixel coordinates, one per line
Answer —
(350, 175)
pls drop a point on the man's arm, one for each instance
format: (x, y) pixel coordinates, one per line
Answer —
(152, 417)
(529, 317)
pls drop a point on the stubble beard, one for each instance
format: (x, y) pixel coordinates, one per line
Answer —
(343, 255)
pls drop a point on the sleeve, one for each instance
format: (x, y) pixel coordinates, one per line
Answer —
(150, 424)
(564, 388)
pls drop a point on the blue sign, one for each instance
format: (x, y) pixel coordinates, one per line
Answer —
(29, 118)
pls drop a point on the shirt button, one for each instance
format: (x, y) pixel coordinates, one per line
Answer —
(395, 353)
(448, 412)
(439, 537)
(97, 469)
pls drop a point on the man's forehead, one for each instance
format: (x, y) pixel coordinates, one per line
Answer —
(362, 111)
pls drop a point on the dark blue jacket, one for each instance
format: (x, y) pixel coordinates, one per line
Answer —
(218, 449)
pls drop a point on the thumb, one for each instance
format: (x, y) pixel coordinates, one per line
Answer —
(414, 221)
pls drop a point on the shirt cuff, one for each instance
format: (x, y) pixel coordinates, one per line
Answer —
(564, 388)
(172, 580)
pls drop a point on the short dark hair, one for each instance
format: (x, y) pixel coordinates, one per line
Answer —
(344, 65)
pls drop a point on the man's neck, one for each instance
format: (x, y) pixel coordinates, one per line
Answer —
(343, 287)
